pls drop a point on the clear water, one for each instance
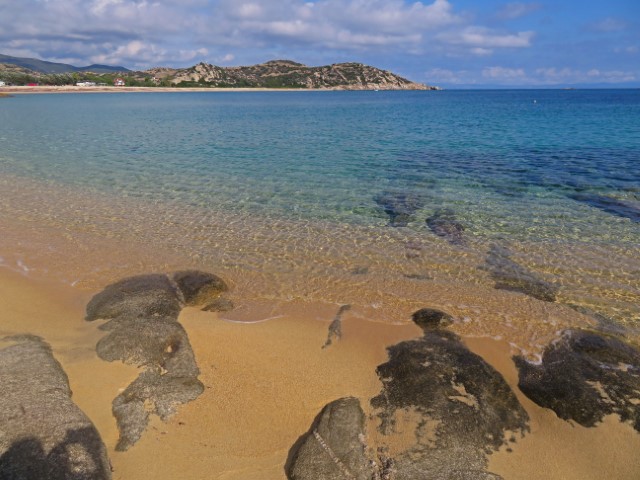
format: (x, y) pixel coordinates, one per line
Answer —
(552, 175)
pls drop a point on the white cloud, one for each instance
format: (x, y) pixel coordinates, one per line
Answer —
(609, 24)
(514, 10)
(485, 38)
(502, 73)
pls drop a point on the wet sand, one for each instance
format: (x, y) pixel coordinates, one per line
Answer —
(266, 382)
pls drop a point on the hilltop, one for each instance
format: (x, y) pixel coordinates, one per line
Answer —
(288, 74)
(272, 74)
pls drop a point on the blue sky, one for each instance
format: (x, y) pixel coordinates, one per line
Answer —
(452, 43)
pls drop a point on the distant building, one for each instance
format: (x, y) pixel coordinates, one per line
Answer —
(2, 84)
(86, 84)
(118, 82)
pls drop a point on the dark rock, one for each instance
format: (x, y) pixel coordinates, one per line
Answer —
(585, 376)
(335, 329)
(444, 224)
(144, 331)
(151, 392)
(508, 275)
(611, 205)
(140, 296)
(399, 206)
(44, 435)
(154, 343)
(461, 407)
(199, 288)
(430, 319)
(334, 448)
(219, 305)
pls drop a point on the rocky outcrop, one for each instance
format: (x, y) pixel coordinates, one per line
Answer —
(585, 376)
(442, 410)
(509, 275)
(444, 224)
(43, 434)
(288, 74)
(143, 330)
(334, 449)
(460, 408)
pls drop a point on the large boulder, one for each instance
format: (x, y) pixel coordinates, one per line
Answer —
(334, 449)
(457, 407)
(43, 434)
(143, 330)
(585, 376)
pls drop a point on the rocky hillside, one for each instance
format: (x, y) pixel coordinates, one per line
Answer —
(287, 74)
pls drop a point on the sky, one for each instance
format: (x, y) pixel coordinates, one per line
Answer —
(450, 43)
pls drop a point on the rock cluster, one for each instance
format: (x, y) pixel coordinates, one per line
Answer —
(457, 407)
(143, 330)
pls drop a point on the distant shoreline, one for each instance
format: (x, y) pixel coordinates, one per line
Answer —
(76, 89)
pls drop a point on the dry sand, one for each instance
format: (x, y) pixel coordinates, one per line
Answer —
(265, 383)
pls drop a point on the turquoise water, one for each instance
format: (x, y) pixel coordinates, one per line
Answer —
(543, 171)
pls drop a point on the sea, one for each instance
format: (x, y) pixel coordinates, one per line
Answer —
(495, 204)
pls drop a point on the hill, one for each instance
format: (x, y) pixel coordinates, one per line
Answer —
(42, 66)
(272, 74)
(287, 74)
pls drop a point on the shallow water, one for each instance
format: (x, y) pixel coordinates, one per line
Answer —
(293, 196)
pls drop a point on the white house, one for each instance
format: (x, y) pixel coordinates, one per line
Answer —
(118, 82)
(2, 84)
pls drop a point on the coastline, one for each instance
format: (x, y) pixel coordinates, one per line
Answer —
(110, 89)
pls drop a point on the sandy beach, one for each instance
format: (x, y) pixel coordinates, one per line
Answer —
(265, 382)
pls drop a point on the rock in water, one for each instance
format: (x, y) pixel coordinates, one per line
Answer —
(144, 331)
(508, 275)
(457, 405)
(621, 208)
(444, 224)
(399, 206)
(43, 434)
(334, 449)
(585, 376)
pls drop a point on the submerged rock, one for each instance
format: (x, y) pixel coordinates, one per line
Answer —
(219, 305)
(610, 205)
(456, 405)
(143, 330)
(334, 448)
(585, 376)
(508, 275)
(43, 434)
(444, 224)
(399, 206)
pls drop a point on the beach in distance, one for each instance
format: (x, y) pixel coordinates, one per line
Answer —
(244, 284)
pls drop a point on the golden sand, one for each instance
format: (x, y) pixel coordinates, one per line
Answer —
(265, 383)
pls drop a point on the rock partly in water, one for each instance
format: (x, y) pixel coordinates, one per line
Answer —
(334, 448)
(585, 376)
(143, 330)
(457, 406)
(335, 328)
(219, 305)
(620, 208)
(511, 276)
(43, 433)
(399, 206)
(199, 288)
(444, 224)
